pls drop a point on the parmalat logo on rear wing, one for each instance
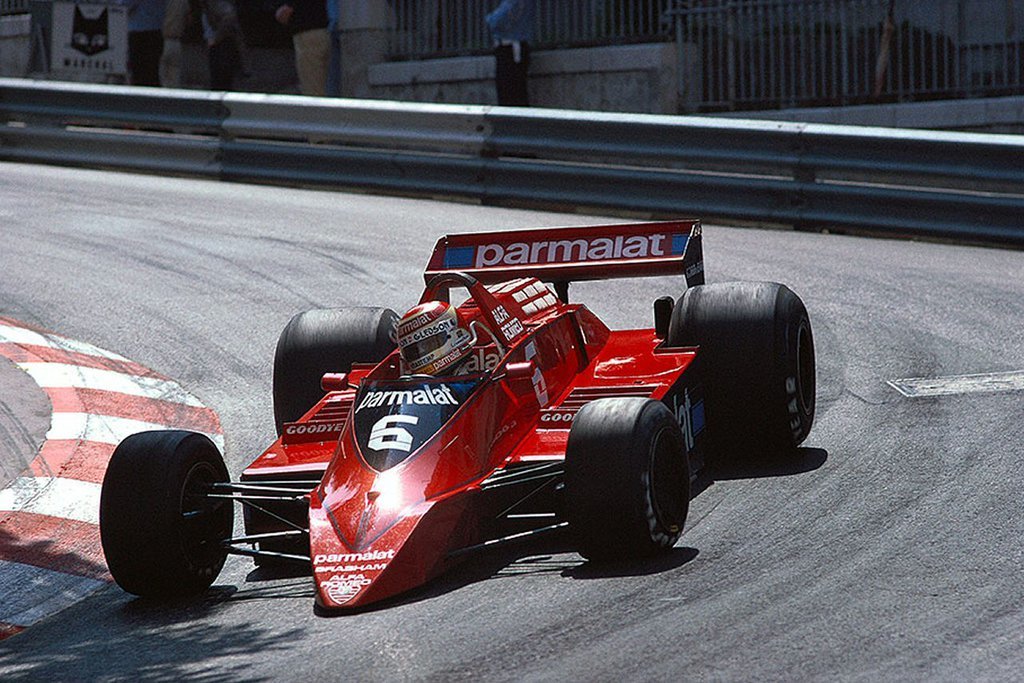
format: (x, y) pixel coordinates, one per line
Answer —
(574, 253)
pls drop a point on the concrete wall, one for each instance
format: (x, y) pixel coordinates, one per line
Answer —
(14, 45)
(627, 78)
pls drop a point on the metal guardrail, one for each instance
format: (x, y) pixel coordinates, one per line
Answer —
(960, 186)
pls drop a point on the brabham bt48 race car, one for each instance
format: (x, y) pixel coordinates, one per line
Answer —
(381, 479)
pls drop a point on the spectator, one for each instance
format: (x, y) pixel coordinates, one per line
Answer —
(334, 64)
(307, 22)
(223, 35)
(145, 40)
(176, 20)
(511, 26)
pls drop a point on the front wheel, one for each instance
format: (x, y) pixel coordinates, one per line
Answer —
(162, 535)
(627, 479)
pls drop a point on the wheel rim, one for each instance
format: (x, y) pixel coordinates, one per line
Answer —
(805, 367)
(203, 518)
(669, 483)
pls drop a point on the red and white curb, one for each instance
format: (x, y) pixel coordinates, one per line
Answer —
(50, 555)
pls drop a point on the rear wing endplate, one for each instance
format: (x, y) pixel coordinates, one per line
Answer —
(563, 255)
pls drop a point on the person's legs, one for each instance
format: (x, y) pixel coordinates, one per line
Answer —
(312, 59)
(510, 75)
(225, 63)
(144, 50)
(170, 63)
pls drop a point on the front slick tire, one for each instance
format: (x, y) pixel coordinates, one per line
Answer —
(162, 536)
(627, 479)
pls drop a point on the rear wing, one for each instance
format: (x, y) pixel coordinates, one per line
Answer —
(564, 255)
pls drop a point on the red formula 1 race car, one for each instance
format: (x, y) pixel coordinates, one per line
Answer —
(381, 479)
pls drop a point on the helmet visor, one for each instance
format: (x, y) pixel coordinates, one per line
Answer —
(418, 350)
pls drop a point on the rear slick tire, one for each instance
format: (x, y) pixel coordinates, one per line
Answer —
(161, 534)
(320, 341)
(627, 479)
(757, 355)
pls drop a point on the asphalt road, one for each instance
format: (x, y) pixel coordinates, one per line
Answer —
(891, 551)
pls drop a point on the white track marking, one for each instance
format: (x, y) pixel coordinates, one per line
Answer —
(988, 383)
(54, 497)
(31, 593)
(20, 336)
(57, 375)
(106, 429)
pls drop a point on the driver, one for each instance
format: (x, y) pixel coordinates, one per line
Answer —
(431, 340)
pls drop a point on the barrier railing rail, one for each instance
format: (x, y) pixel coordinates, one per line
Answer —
(961, 186)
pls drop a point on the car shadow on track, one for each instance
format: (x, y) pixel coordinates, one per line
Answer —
(803, 461)
(553, 553)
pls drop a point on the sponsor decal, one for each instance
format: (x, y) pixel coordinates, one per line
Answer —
(386, 436)
(430, 330)
(576, 250)
(505, 429)
(690, 416)
(349, 568)
(314, 431)
(480, 360)
(369, 556)
(393, 419)
(540, 387)
(313, 428)
(89, 39)
(512, 329)
(427, 395)
(342, 588)
(557, 418)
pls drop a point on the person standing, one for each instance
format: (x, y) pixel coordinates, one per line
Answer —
(307, 22)
(145, 40)
(223, 34)
(511, 26)
(176, 20)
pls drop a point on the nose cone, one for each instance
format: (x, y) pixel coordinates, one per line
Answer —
(409, 553)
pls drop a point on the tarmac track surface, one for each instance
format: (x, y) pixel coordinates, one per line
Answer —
(891, 550)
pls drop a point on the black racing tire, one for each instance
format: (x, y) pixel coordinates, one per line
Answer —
(627, 479)
(320, 341)
(757, 354)
(161, 535)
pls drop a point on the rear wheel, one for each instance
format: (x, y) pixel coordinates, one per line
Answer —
(162, 535)
(320, 341)
(627, 479)
(757, 354)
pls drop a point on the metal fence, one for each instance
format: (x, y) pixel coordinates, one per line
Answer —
(423, 29)
(13, 7)
(745, 54)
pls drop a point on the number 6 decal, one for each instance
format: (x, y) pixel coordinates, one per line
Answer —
(384, 435)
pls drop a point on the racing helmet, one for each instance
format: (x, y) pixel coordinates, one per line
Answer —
(431, 340)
